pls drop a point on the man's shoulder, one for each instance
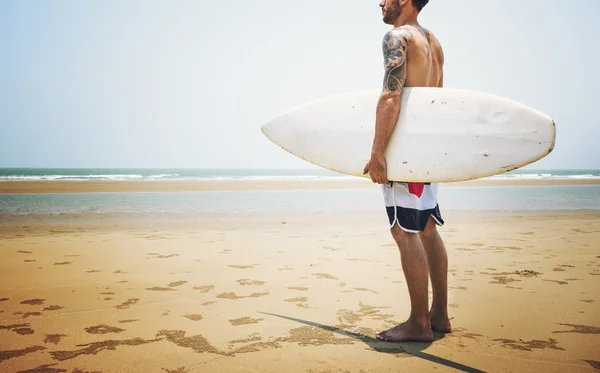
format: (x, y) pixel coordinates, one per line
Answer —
(398, 37)
(404, 32)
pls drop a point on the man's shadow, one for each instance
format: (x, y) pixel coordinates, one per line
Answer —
(412, 348)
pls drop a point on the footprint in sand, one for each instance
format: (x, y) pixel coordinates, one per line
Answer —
(204, 289)
(126, 304)
(21, 329)
(579, 329)
(169, 287)
(194, 317)
(159, 256)
(244, 321)
(242, 266)
(160, 288)
(503, 280)
(529, 345)
(103, 329)
(325, 276)
(5, 355)
(365, 289)
(95, 347)
(54, 338)
(178, 370)
(300, 301)
(27, 314)
(34, 302)
(299, 288)
(297, 299)
(128, 321)
(248, 282)
(235, 296)
(62, 263)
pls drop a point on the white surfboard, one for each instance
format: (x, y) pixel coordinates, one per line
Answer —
(442, 134)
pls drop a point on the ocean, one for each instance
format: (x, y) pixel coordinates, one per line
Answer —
(174, 174)
(467, 198)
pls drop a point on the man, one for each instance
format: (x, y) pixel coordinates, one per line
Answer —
(413, 57)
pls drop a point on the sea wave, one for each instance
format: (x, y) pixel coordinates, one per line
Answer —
(71, 177)
(544, 176)
(170, 177)
(264, 177)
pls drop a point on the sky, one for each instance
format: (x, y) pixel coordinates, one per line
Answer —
(188, 83)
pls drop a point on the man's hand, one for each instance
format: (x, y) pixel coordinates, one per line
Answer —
(377, 170)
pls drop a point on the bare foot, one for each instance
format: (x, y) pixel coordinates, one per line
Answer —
(440, 322)
(408, 331)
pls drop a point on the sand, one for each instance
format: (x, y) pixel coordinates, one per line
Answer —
(12, 187)
(293, 294)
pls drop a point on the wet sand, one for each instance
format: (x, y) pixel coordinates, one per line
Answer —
(12, 187)
(293, 294)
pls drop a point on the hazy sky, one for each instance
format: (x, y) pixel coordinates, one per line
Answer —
(144, 83)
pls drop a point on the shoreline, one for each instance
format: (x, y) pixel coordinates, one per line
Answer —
(31, 224)
(43, 187)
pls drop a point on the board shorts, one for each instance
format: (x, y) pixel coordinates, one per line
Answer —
(411, 204)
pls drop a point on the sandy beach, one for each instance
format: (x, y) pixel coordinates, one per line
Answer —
(293, 293)
(14, 187)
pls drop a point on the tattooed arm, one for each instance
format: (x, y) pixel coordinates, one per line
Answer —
(395, 46)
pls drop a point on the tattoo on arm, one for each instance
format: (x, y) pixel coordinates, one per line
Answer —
(395, 46)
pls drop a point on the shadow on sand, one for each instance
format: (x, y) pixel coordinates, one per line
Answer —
(412, 348)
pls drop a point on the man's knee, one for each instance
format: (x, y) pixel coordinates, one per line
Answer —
(400, 235)
(430, 230)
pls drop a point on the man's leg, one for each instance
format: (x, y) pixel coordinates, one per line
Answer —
(414, 264)
(437, 259)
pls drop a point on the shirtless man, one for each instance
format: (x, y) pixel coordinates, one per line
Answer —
(413, 57)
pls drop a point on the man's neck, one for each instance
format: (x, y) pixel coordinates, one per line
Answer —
(408, 17)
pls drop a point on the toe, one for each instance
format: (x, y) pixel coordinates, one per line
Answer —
(383, 336)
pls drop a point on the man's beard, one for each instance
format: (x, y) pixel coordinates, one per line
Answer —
(392, 13)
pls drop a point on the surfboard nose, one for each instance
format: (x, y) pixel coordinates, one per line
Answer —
(267, 129)
(275, 130)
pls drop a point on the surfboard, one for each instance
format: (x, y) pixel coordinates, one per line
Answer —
(442, 134)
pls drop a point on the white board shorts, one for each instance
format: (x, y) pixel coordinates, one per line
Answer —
(411, 204)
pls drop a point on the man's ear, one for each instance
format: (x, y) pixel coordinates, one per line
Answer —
(403, 2)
